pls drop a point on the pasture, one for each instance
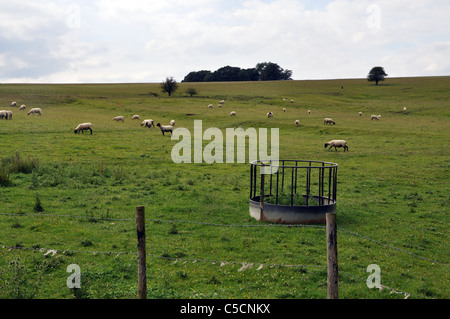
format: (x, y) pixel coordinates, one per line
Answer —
(77, 193)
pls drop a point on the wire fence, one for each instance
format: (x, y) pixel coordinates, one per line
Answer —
(244, 265)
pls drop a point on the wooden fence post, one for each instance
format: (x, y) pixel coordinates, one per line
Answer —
(142, 271)
(332, 261)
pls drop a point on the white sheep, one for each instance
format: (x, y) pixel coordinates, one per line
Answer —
(375, 117)
(219, 105)
(148, 123)
(360, 113)
(337, 143)
(328, 120)
(222, 102)
(13, 103)
(172, 122)
(270, 114)
(232, 113)
(284, 109)
(309, 111)
(135, 117)
(297, 122)
(165, 128)
(119, 118)
(83, 127)
(3, 114)
(9, 113)
(210, 106)
(22, 107)
(292, 101)
(404, 109)
(35, 110)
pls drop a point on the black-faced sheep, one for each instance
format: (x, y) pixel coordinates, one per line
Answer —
(337, 143)
(328, 120)
(270, 114)
(35, 110)
(3, 114)
(22, 107)
(13, 103)
(297, 122)
(135, 117)
(360, 113)
(165, 128)
(375, 117)
(83, 127)
(232, 113)
(172, 122)
(119, 118)
(148, 123)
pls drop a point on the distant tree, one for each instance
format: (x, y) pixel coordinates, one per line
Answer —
(197, 76)
(191, 91)
(248, 75)
(269, 71)
(169, 86)
(376, 74)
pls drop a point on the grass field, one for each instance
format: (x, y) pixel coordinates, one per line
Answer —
(77, 193)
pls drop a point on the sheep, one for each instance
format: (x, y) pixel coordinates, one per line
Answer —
(210, 106)
(13, 103)
(135, 117)
(35, 110)
(22, 107)
(360, 113)
(219, 105)
(172, 122)
(337, 143)
(328, 120)
(292, 101)
(233, 113)
(165, 128)
(83, 127)
(3, 114)
(270, 114)
(375, 117)
(148, 123)
(404, 109)
(9, 115)
(284, 109)
(222, 102)
(119, 118)
(309, 111)
(297, 122)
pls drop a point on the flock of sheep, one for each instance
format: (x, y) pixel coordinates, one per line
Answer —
(7, 114)
(148, 123)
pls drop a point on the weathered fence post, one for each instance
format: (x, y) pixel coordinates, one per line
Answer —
(332, 262)
(142, 272)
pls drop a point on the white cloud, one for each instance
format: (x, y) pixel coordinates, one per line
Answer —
(137, 41)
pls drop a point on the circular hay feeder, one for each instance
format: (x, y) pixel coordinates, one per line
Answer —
(292, 191)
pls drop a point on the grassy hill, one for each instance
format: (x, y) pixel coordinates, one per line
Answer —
(392, 197)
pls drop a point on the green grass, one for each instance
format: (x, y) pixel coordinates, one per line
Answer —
(392, 188)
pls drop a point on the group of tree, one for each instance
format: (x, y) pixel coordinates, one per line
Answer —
(265, 71)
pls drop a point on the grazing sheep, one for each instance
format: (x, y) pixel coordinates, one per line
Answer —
(337, 143)
(220, 105)
(35, 110)
(210, 106)
(297, 122)
(172, 122)
(22, 107)
(328, 120)
(148, 123)
(360, 113)
(270, 114)
(9, 115)
(404, 109)
(165, 128)
(13, 104)
(3, 114)
(375, 117)
(284, 109)
(292, 101)
(232, 113)
(309, 111)
(135, 117)
(83, 127)
(222, 102)
(119, 118)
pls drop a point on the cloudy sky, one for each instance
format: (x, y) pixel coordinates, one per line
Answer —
(68, 41)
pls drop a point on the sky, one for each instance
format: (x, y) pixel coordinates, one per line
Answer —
(134, 41)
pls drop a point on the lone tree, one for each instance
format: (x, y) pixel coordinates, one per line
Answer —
(169, 86)
(376, 74)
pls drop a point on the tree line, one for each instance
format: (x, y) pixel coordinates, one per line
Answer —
(265, 71)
